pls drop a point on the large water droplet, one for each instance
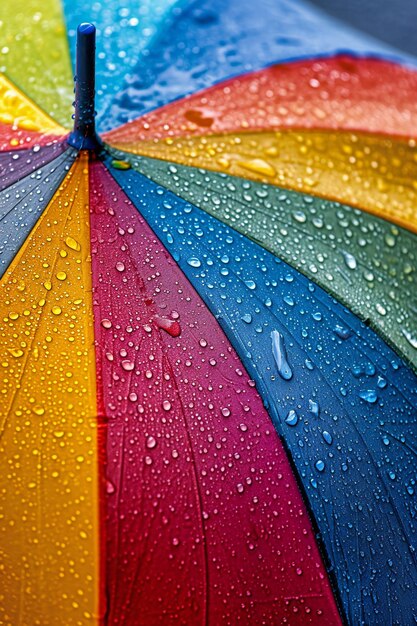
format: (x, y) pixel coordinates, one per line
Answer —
(280, 355)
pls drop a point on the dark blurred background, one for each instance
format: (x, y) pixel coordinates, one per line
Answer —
(392, 21)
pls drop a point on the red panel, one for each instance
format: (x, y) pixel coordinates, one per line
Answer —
(12, 138)
(205, 522)
(342, 92)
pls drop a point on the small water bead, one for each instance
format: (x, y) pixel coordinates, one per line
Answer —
(246, 318)
(349, 260)
(243, 427)
(56, 310)
(72, 244)
(203, 343)
(381, 382)
(61, 276)
(127, 365)
(120, 165)
(166, 405)
(369, 395)
(110, 488)
(342, 332)
(151, 442)
(292, 418)
(327, 437)
(412, 339)
(106, 323)
(172, 327)
(320, 465)
(259, 166)
(225, 412)
(120, 266)
(133, 396)
(193, 261)
(15, 352)
(300, 216)
(313, 407)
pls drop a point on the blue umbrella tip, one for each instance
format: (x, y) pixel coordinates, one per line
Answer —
(86, 28)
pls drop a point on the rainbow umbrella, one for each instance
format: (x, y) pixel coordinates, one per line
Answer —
(208, 342)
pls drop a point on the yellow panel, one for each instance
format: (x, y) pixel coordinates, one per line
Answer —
(34, 54)
(372, 172)
(49, 520)
(17, 110)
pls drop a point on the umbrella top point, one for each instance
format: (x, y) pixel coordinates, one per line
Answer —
(84, 136)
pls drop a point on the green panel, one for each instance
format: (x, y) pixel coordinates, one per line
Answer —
(34, 54)
(367, 263)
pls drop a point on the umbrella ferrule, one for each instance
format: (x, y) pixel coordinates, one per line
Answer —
(84, 135)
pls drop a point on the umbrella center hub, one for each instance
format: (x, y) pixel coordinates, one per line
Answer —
(84, 136)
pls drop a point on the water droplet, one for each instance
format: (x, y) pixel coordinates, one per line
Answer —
(120, 266)
(56, 310)
(349, 260)
(320, 465)
(369, 395)
(327, 437)
(120, 165)
(172, 327)
(412, 339)
(342, 332)
(106, 323)
(313, 407)
(166, 405)
(292, 418)
(110, 488)
(15, 352)
(259, 166)
(151, 442)
(73, 244)
(280, 355)
(193, 261)
(128, 365)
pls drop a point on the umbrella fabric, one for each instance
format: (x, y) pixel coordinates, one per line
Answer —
(208, 340)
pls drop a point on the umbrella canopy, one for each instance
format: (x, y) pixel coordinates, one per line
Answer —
(208, 344)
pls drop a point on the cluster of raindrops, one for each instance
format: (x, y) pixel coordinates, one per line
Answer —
(190, 448)
(367, 263)
(333, 388)
(48, 445)
(340, 92)
(362, 170)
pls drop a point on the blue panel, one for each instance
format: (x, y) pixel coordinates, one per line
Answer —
(22, 204)
(211, 40)
(342, 401)
(124, 29)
